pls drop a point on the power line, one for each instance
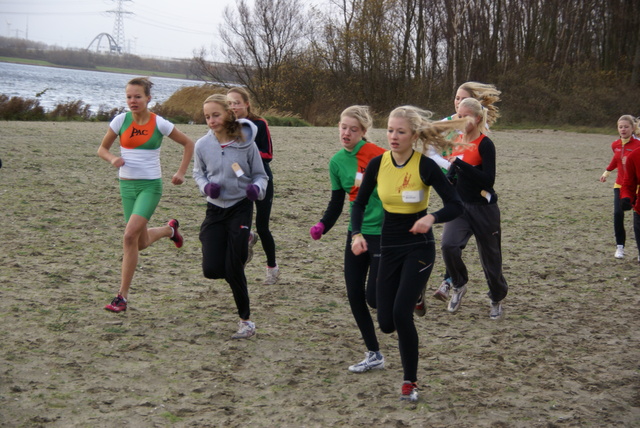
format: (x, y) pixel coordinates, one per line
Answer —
(50, 13)
(170, 27)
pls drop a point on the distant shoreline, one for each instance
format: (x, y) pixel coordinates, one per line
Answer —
(42, 63)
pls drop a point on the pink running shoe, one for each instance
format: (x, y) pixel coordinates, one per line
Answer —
(118, 304)
(176, 238)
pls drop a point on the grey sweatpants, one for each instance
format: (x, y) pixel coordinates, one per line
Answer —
(483, 222)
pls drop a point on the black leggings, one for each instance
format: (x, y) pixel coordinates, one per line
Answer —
(404, 272)
(263, 215)
(225, 246)
(360, 271)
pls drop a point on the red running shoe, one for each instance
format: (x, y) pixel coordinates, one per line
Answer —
(409, 391)
(176, 238)
(118, 304)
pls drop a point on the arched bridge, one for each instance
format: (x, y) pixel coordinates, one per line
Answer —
(113, 46)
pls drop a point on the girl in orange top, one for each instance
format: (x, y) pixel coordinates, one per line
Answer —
(474, 164)
(488, 95)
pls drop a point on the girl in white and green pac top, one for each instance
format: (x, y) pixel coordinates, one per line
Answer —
(141, 133)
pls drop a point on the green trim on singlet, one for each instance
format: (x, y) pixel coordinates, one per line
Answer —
(343, 167)
(155, 140)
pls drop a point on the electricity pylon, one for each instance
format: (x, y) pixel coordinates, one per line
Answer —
(118, 26)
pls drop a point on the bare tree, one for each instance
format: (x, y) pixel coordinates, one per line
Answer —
(257, 43)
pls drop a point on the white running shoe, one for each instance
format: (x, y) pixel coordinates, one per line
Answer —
(456, 298)
(273, 273)
(496, 311)
(619, 252)
(370, 362)
(442, 293)
(246, 329)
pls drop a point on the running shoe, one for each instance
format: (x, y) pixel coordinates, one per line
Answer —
(372, 361)
(442, 293)
(496, 311)
(118, 304)
(246, 329)
(253, 238)
(273, 273)
(409, 391)
(420, 309)
(619, 252)
(176, 238)
(456, 298)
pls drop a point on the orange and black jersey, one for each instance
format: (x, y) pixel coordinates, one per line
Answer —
(475, 168)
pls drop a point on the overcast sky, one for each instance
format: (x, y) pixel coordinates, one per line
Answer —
(158, 28)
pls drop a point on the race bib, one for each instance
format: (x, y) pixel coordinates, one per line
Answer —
(412, 196)
(237, 169)
(358, 180)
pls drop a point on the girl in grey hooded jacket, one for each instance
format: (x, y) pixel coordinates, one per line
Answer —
(229, 172)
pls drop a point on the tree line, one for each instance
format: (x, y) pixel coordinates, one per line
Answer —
(555, 61)
(85, 59)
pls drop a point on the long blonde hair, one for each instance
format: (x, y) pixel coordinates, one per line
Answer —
(487, 95)
(429, 132)
(231, 125)
(478, 110)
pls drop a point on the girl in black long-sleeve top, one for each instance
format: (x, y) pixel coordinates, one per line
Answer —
(404, 179)
(241, 105)
(474, 166)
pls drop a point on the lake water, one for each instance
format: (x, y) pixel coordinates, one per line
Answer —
(95, 88)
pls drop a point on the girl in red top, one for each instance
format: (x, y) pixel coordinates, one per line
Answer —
(622, 148)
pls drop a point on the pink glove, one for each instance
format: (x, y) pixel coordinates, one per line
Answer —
(212, 190)
(316, 231)
(253, 192)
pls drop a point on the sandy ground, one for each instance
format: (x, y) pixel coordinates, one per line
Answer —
(566, 353)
